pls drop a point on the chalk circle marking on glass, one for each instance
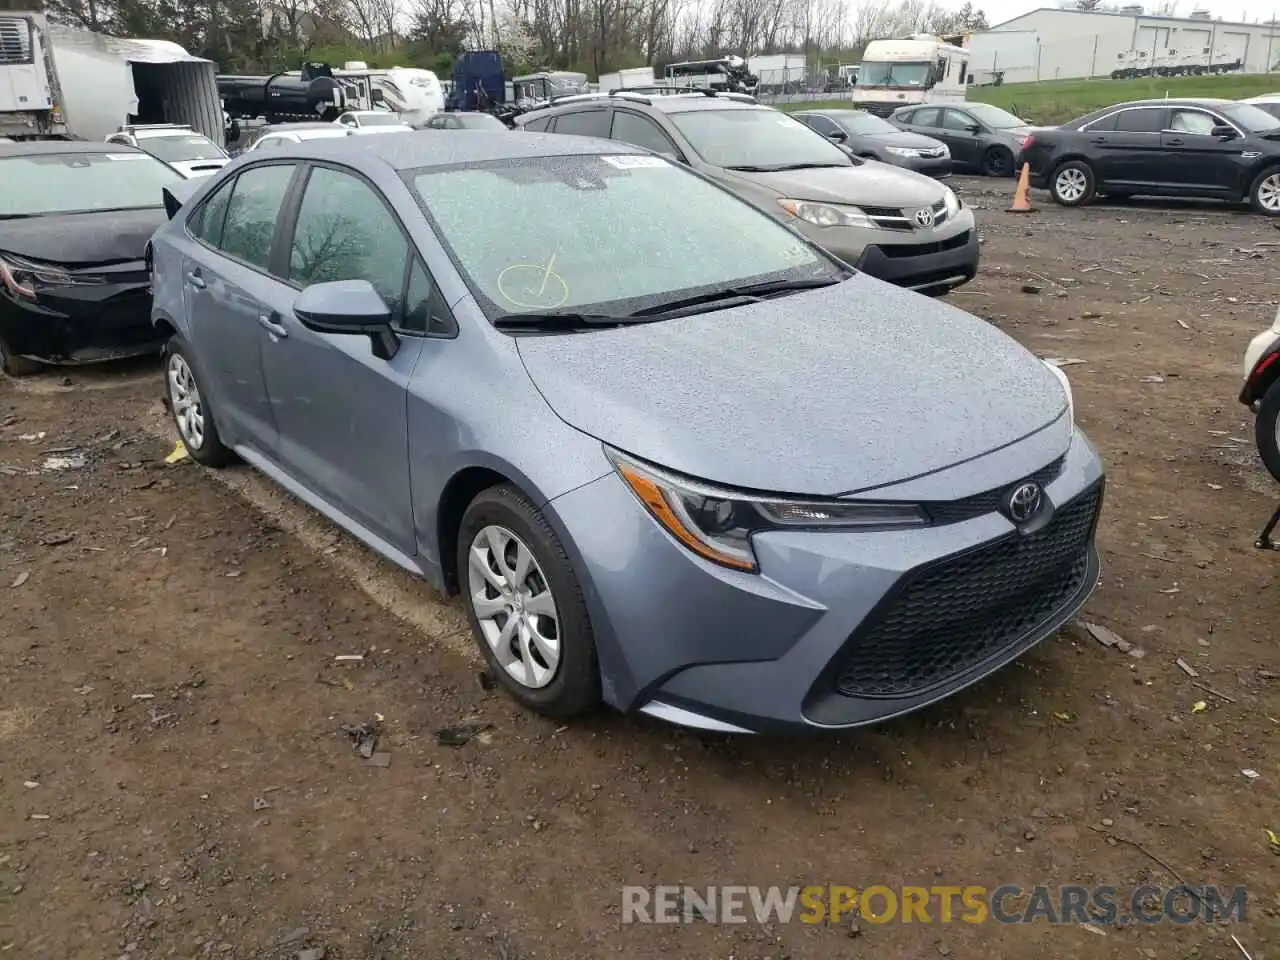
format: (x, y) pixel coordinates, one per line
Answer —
(533, 286)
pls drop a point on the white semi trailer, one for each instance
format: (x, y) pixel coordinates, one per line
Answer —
(58, 83)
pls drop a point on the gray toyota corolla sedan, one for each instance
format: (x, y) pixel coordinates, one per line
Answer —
(673, 456)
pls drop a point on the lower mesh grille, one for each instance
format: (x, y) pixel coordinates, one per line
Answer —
(955, 615)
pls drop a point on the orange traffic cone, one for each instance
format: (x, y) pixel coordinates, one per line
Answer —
(1022, 195)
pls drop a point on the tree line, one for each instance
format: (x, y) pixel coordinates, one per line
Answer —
(593, 36)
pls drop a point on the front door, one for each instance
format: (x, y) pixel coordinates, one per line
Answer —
(341, 411)
(964, 142)
(1198, 161)
(225, 269)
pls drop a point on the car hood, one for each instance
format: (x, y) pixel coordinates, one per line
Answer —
(82, 238)
(877, 184)
(904, 138)
(832, 391)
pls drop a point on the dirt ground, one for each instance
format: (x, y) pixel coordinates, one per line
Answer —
(175, 781)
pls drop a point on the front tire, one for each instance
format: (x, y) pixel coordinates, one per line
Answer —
(190, 409)
(1264, 194)
(1267, 429)
(525, 604)
(17, 366)
(1072, 184)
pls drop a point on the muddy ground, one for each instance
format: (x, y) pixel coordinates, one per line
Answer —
(175, 782)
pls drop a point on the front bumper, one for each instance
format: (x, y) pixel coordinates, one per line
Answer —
(81, 324)
(939, 259)
(1263, 344)
(839, 629)
(937, 167)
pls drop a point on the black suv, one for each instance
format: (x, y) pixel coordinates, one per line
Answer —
(1218, 149)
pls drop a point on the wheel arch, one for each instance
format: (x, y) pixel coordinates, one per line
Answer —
(1266, 373)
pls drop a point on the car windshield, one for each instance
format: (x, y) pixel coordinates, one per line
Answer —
(878, 74)
(994, 117)
(864, 124)
(1252, 118)
(761, 140)
(602, 234)
(181, 149)
(81, 182)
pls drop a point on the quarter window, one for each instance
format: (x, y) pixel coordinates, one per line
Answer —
(424, 308)
(206, 223)
(345, 232)
(253, 212)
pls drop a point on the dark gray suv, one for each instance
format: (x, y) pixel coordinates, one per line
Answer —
(892, 223)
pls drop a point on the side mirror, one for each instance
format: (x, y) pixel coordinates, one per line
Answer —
(348, 307)
(1224, 132)
(973, 127)
(838, 136)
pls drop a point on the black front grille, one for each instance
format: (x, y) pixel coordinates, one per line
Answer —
(896, 250)
(954, 615)
(124, 312)
(980, 504)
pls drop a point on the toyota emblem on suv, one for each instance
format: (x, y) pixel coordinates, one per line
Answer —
(924, 217)
(1024, 502)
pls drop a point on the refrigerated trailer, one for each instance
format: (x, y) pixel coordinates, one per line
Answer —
(60, 83)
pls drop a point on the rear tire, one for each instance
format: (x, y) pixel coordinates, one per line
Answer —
(1264, 194)
(16, 366)
(997, 162)
(1072, 184)
(1267, 429)
(190, 409)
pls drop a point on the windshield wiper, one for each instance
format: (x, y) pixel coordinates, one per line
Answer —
(16, 216)
(552, 320)
(781, 167)
(739, 296)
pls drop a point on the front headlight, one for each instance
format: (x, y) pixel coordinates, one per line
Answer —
(904, 151)
(718, 524)
(826, 214)
(1066, 385)
(24, 278)
(952, 202)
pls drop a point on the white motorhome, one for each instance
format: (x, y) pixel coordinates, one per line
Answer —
(415, 94)
(61, 83)
(916, 69)
(629, 77)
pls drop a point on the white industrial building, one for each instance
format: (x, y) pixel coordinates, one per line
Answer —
(1062, 44)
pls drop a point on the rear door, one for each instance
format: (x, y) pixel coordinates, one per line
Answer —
(226, 263)
(584, 123)
(341, 411)
(1126, 147)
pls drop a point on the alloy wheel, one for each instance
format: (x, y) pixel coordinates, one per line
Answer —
(514, 606)
(1269, 193)
(184, 395)
(1070, 185)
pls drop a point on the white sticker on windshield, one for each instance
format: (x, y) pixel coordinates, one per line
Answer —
(126, 156)
(632, 162)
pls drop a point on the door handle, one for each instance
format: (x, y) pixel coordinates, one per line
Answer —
(1175, 141)
(196, 280)
(270, 323)
(1097, 139)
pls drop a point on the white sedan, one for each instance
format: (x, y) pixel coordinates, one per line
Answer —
(372, 121)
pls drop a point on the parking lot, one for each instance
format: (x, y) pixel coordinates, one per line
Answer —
(178, 781)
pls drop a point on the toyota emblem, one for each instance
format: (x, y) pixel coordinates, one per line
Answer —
(1024, 502)
(924, 217)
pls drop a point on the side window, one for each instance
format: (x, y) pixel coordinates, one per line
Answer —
(1104, 125)
(955, 120)
(424, 308)
(1140, 121)
(538, 126)
(824, 125)
(1271, 108)
(585, 123)
(640, 131)
(345, 232)
(206, 223)
(1193, 121)
(927, 117)
(252, 213)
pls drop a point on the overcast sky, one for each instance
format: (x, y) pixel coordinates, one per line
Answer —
(1248, 10)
